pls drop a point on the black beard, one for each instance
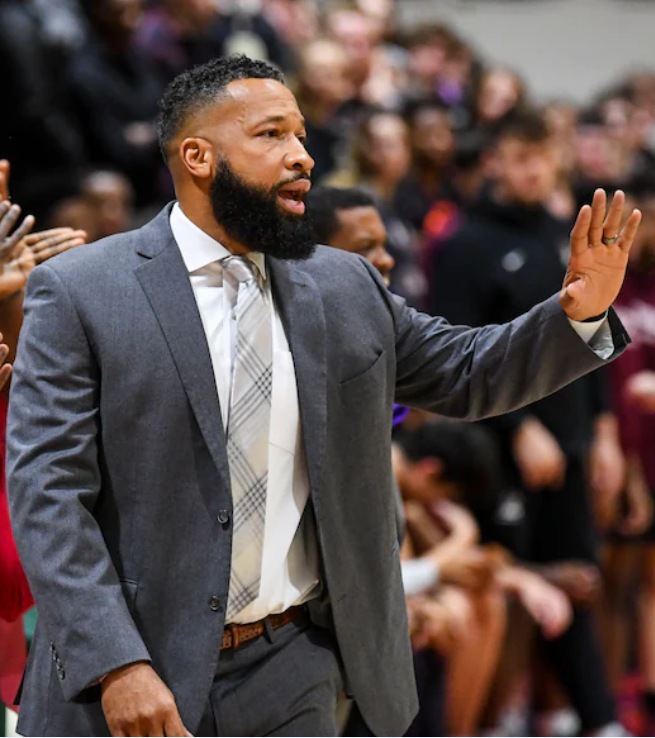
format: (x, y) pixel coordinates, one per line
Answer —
(251, 216)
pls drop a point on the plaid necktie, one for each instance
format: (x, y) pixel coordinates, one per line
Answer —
(248, 431)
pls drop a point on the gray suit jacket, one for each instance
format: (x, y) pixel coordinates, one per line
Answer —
(118, 471)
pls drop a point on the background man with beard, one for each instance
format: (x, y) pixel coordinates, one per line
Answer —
(199, 440)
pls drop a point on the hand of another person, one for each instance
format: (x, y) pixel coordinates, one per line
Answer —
(538, 456)
(639, 513)
(640, 390)
(13, 276)
(5, 369)
(596, 269)
(4, 179)
(46, 244)
(10, 243)
(136, 702)
(458, 522)
(434, 626)
(548, 606)
(470, 569)
(607, 470)
(579, 580)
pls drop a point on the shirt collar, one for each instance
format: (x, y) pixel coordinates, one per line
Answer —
(198, 249)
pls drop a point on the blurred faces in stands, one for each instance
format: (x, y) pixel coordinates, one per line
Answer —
(115, 20)
(383, 152)
(642, 195)
(323, 78)
(428, 48)
(110, 196)
(501, 91)
(525, 160)
(358, 34)
(348, 219)
(600, 154)
(432, 137)
(191, 16)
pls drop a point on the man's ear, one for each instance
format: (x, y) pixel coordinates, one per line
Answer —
(197, 155)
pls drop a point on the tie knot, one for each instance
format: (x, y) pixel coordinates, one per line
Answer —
(240, 267)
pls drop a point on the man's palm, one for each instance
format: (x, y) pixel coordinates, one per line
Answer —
(596, 270)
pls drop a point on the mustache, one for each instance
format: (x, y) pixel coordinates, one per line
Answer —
(293, 180)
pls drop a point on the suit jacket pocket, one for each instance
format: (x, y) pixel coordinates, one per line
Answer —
(361, 379)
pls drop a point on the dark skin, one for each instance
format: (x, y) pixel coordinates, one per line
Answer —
(257, 127)
(361, 231)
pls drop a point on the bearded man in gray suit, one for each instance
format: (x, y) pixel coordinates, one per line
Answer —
(199, 457)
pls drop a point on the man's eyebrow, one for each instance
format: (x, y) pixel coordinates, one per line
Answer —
(278, 119)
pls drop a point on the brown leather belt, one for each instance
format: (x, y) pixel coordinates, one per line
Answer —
(235, 634)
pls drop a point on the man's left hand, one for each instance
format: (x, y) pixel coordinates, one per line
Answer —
(599, 257)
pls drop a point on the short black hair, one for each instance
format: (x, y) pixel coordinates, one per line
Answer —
(323, 204)
(468, 453)
(528, 126)
(201, 86)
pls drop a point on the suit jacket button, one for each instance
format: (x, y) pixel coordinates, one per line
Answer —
(223, 517)
(215, 604)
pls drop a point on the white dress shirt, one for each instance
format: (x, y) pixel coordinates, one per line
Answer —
(290, 555)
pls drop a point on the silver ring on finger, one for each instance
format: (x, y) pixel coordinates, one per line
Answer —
(609, 241)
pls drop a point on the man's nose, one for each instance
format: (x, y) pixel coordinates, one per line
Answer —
(298, 159)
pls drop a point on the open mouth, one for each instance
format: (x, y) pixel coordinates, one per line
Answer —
(292, 196)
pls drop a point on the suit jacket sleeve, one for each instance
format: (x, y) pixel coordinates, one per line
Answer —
(54, 482)
(475, 373)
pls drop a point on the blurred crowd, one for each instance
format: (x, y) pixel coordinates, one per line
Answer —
(528, 541)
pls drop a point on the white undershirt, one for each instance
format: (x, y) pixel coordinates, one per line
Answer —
(290, 556)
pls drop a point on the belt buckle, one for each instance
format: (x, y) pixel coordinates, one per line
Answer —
(234, 630)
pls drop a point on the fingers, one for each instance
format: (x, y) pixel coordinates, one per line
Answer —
(4, 179)
(23, 229)
(598, 208)
(51, 251)
(173, 725)
(5, 373)
(580, 232)
(614, 217)
(629, 232)
(8, 217)
(46, 239)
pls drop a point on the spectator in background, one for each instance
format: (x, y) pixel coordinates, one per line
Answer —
(602, 158)
(348, 219)
(510, 254)
(177, 34)
(630, 554)
(323, 87)
(36, 133)
(117, 89)
(295, 21)
(380, 161)
(500, 93)
(428, 49)
(358, 34)
(433, 147)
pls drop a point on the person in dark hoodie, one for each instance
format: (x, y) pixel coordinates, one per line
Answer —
(509, 253)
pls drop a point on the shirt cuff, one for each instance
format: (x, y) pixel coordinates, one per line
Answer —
(597, 335)
(419, 575)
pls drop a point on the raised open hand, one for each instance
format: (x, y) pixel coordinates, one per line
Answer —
(599, 257)
(10, 243)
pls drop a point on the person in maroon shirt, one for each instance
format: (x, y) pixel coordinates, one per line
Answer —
(631, 545)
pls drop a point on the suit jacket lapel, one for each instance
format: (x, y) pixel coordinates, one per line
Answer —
(299, 303)
(165, 280)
